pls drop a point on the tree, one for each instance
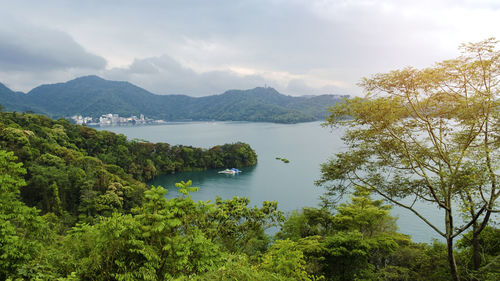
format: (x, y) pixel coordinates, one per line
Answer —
(176, 244)
(236, 267)
(489, 245)
(286, 259)
(308, 222)
(369, 217)
(21, 229)
(161, 241)
(426, 135)
(241, 228)
(356, 242)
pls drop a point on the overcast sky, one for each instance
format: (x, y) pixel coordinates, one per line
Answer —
(205, 47)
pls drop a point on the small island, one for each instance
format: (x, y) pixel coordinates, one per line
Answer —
(284, 160)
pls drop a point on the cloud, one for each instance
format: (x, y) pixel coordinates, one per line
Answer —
(202, 47)
(164, 75)
(24, 81)
(31, 55)
(33, 48)
(344, 40)
(300, 87)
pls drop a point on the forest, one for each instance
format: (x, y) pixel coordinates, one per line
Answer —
(74, 204)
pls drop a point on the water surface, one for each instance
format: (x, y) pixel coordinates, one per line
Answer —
(306, 145)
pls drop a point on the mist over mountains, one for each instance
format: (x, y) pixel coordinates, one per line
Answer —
(94, 96)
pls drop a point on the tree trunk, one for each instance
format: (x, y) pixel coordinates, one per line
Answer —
(476, 231)
(451, 260)
(476, 257)
(449, 243)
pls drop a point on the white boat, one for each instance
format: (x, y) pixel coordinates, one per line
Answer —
(232, 171)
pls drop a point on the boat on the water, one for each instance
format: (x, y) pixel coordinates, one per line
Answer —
(232, 171)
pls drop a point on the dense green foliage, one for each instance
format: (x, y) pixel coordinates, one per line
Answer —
(94, 96)
(159, 239)
(78, 173)
(22, 231)
(358, 241)
(179, 239)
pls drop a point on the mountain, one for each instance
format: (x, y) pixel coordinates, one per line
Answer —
(94, 96)
(13, 101)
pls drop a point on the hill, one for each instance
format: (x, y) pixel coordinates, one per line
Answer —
(13, 101)
(94, 96)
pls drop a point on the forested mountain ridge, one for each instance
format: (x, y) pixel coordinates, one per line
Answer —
(94, 96)
(13, 101)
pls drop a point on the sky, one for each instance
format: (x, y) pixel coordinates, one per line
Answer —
(198, 48)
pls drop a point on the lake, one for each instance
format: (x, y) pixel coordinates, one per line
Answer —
(306, 145)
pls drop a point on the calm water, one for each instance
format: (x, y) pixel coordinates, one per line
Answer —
(306, 145)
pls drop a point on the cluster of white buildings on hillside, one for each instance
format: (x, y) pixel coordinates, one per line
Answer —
(113, 119)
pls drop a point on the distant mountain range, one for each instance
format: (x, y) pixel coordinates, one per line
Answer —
(94, 96)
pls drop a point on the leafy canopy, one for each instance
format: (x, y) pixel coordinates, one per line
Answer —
(427, 135)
